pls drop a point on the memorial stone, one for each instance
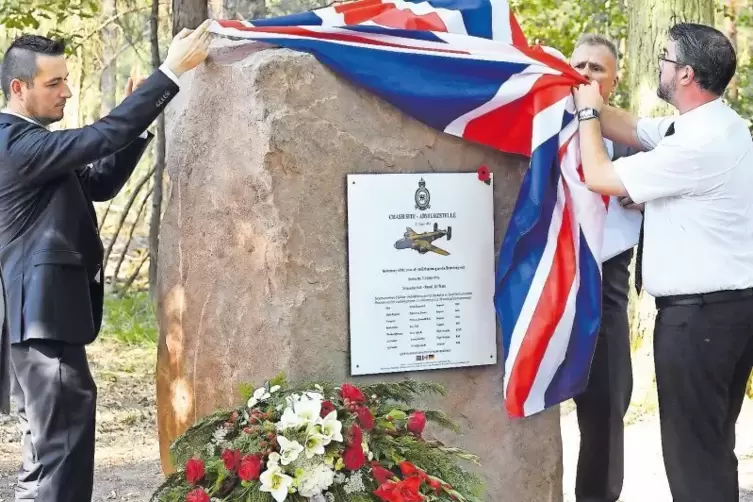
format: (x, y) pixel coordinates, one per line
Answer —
(253, 263)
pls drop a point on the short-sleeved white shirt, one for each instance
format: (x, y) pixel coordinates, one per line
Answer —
(698, 188)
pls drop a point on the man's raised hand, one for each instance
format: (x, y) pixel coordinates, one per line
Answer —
(188, 49)
(588, 96)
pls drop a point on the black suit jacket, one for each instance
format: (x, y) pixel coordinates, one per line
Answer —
(50, 251)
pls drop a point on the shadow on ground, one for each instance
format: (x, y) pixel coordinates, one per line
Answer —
(117, 482)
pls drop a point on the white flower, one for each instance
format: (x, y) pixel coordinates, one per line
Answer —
(315, 396)
(276, 482)
(260, 395)
(289, 420)
(354, 484)
(308, 410)
(314, 445)
(292, 399)
(331, 428)
(273, 459)
(289, 450)
(219, 434)
(274, 389)
(339, 478)
(315, 480)
(318, 387)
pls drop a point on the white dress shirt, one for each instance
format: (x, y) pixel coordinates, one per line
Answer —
(622, 226)
(164, 69)
(697, 186)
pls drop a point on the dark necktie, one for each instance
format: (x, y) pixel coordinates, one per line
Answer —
(639, 251)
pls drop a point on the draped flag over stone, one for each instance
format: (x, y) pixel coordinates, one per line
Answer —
(465, 68)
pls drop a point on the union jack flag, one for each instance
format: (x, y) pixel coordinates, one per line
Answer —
(464, 67)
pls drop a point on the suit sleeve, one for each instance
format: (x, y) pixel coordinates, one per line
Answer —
(40, 155)
(106, 177)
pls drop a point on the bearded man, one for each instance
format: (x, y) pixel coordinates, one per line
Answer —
(694, 175)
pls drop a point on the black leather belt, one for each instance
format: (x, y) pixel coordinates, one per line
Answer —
(700, 299)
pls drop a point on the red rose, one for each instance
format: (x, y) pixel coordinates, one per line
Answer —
(232, 459)
(381, 475)
(327, 408)
(409, 469)
(352, 393)
(194, 470)
(198, 495)
(353, 457)
(407, 490)
(402, 491)
(250, 468)
(387, 492)
(483, 174)
(365, 418)
(417, 422)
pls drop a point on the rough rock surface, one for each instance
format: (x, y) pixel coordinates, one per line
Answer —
(253, 266)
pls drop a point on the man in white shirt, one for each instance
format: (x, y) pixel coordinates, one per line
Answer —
(695, 175)
(602, 406)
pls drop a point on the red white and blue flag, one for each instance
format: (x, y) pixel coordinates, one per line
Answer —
(465, 68)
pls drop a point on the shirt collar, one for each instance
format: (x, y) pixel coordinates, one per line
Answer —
(698, 115)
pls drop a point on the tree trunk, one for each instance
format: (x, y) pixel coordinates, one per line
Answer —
(188, 14)
(648, 23)
(109, 79)
(235, 9)
(159, 166)
(730, 29)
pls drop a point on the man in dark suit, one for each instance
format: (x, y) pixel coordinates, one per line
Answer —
(602, 407)
(50, 252)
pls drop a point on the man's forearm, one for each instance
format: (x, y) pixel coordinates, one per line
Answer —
(620, 126)
(598, 169)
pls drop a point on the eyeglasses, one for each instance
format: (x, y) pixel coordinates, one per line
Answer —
(662, 57)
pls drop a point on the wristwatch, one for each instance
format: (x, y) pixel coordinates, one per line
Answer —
(587, 114)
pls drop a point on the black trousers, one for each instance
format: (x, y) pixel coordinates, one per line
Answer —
(56, 398)
(703, 356)
(602, 407)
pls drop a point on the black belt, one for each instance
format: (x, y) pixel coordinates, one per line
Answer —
(701, 298)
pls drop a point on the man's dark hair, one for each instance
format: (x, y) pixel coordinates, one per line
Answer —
(20, 60)
(708, 52)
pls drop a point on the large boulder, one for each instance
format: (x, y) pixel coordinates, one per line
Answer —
(252, 260)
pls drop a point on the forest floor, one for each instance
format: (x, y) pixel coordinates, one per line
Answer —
(127, 455)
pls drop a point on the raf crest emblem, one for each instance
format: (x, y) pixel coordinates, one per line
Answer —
(422, 196)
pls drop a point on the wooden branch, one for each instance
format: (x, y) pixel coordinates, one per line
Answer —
(120, 51)
(160, 147)
(105, 24)
(124, 214)
(132, 43)
(134, 275)
(130, 235)
(104, 217)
